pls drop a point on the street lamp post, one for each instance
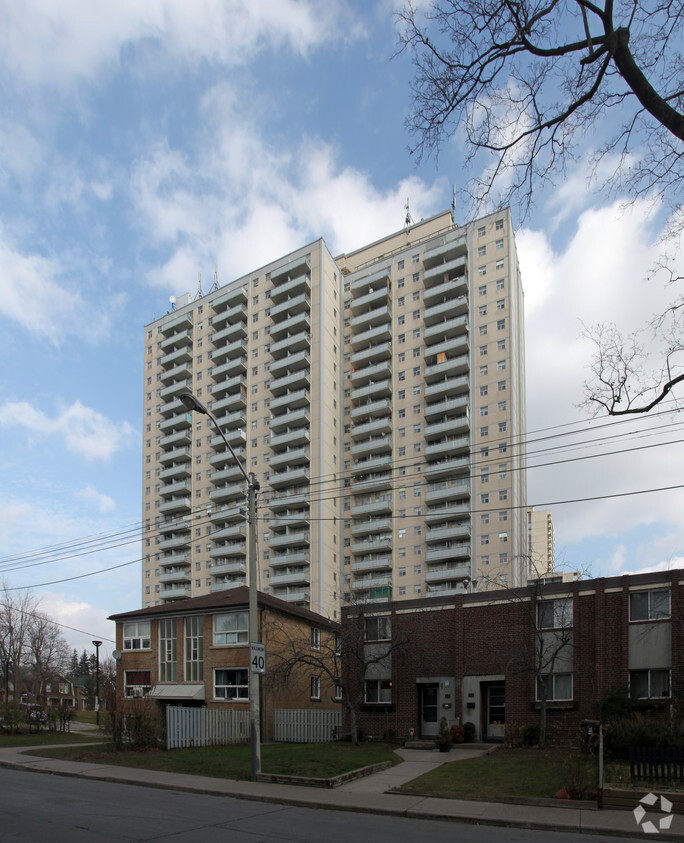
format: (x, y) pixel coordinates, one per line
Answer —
(97, 645)
(253, 487)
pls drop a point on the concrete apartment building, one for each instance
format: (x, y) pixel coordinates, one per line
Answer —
(540, 542)
(379, 399)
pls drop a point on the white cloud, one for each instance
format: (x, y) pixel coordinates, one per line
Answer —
(97, 500)
(82, 621)
(84, 431)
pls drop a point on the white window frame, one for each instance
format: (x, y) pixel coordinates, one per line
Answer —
(380, 691)
(649, 682)
(231, 637)
(194, 648)
(315, 638)
(551, 687)
(382, 631)
(315, 687)
(130, 687)
(554, 613)
(168, 649)
(136, 635)
(240, 683)
(653, 612)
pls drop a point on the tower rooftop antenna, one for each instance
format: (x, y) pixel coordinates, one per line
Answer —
(408, 222)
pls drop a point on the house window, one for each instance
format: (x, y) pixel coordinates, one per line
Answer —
(378, 691)
(315, 687)
(232, 628)
(338, 692)
(136, 636)
(649, 684)
(315, 638)
(649, 605)
(194, 649)
(168, 671)
(558, 687)
(378, 629)
(137, 683)
(554, 614)
(231, 683)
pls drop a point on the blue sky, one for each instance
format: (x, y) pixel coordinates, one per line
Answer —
(142, 144)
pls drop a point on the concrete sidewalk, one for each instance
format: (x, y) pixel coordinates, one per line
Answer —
(367, 795)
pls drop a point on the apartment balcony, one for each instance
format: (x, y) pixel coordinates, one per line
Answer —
(227, 513)
(457, 288)
(229, 298)
(236, 313)
(176, 576)
(375, 596)
(227, 493)
(175, 592)
(175, 471)
(181, 339)
(238, 383)
(175, 388)
(380, 278)
(374, 298)
(302, 577)
(298, 436)
(233, 410)
(176, 455)
(289, 307)
(236, 350)
(289, 477)
(457, 465)
(232, 471)
(457, 530)
(447, 308)
(228, 550)
(177, 324)
(289, 498)
(447, 368)
(372, 408)
(296, 341)
(297, 418)
(291, 596)
(178, 421)
(447, 490)
(448, 573)
(447, 249)
(296, 518)
(453, 424)
(291, 363)
(292, 269)
(363, 466)
(291, 400)
(371, 525)
(379, 389)
(234, 531)
(224, 458)
(295, 324)
(231, 333)
(172, 408)
(382, 351)
(175, 505)
(297, 538)
(448, 551)
(451, 346)
(175, 542)
(376, 545)
(447, 387)
(378, 563)
(176, 357)
(292, 381)
(447, 270)
(382, 504)
(372, 482)
(299, 284)
(447, 328)
(381, 334)
(448, 445)
(373, 445)
(226, 585)
(174, 559)
(292, 456)
(177, 488)
(446, 510)
(371, 582)
(369, 374)
(223, 569)
(171, 525)
(280, 559)
(180, 437)
(381, 425)
(233, 367)
(445, 406)
(372, 318)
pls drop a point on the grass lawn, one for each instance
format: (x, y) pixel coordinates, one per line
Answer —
(45, 738)
(319, 760)
(509, 772)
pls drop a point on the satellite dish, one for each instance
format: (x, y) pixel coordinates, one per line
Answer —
(116, 655)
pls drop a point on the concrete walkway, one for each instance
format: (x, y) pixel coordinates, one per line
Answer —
(367, 795)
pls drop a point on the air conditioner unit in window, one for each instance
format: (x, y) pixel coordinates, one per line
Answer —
(137, 690)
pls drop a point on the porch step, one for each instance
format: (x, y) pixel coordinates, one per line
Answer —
(421, 744)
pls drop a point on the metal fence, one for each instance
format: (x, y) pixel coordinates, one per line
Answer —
(187, 727)
(303, 726)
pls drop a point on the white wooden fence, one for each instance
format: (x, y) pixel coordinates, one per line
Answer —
(186, 727)
(302, 726)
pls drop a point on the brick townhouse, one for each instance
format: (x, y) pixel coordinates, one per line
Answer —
(195, 652)
(486, 657)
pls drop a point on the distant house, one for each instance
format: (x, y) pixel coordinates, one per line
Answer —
(55, 692)
(195, 652)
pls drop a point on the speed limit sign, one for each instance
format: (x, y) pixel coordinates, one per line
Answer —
(257, 658)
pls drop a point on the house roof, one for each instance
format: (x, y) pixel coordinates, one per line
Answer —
(230, 599)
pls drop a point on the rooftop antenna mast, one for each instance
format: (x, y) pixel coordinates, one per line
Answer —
(453, 200)
(199, 286)
(216, 283)
(408, 222)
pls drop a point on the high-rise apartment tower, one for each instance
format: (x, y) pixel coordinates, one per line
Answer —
(379, 399)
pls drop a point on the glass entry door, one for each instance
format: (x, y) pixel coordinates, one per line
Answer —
(496, 710)
(429, 710)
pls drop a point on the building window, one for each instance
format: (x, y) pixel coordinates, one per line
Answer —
(167, 650)
(649, 605)
(231, 683)
(554, 614)
(649, 684)
(499, 225)
(315, 638)
(136, 636)
(315, 687)
(378, 691)
(482, 270)
(338, 692)
(137, 683)
(231, 628)
(378, 629)
(558, 687)
(194, 649)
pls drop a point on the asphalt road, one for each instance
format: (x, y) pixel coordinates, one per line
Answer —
(35, 807)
